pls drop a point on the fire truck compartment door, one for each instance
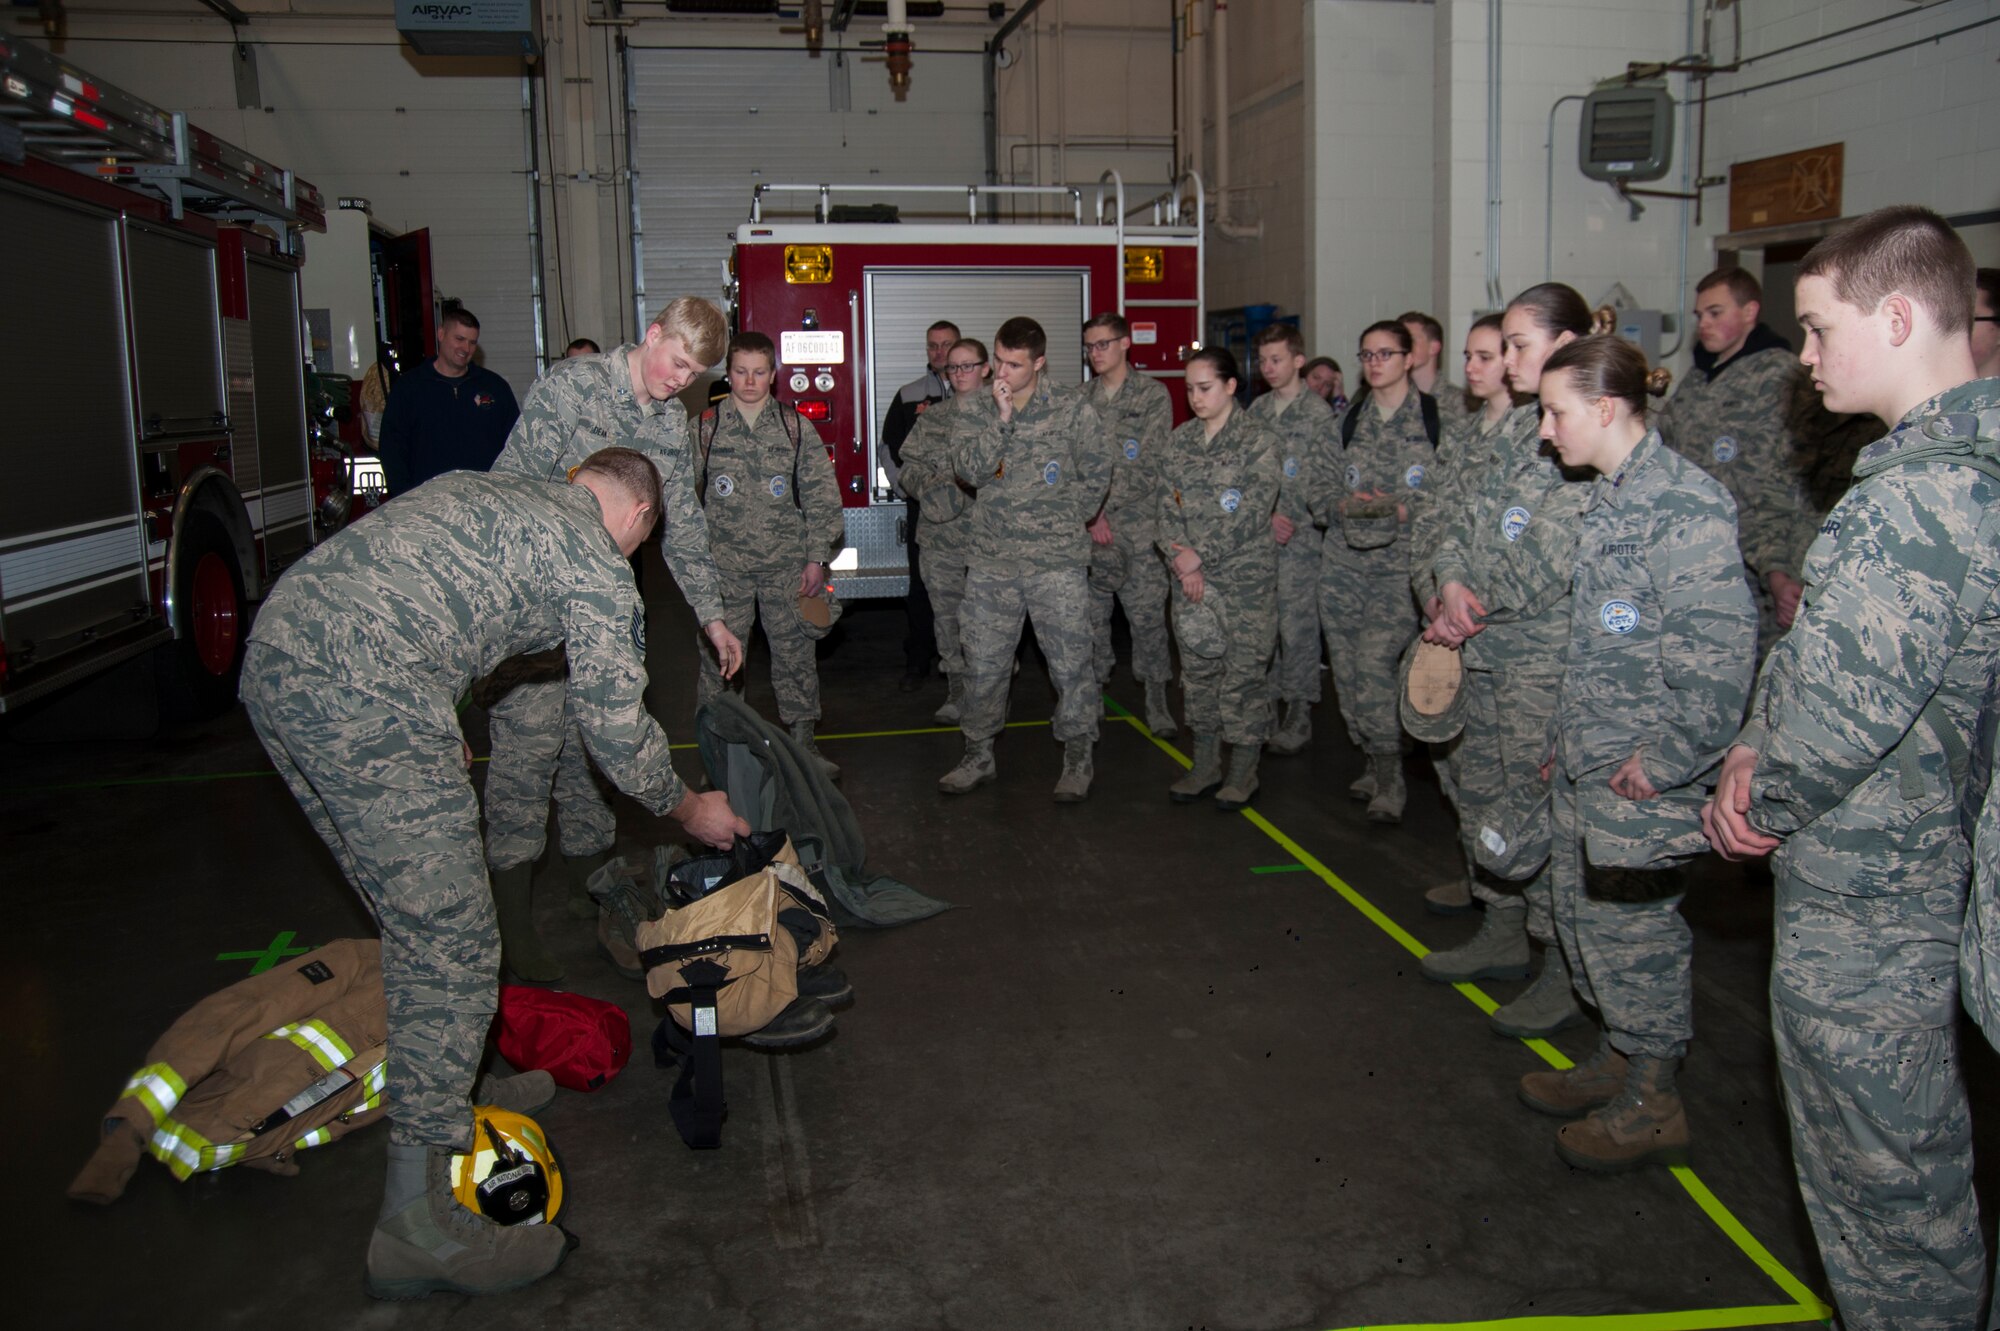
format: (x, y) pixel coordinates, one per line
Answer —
(176, 335)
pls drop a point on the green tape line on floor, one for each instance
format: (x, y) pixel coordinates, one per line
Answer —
(1807, 1306)
(1713, 1319)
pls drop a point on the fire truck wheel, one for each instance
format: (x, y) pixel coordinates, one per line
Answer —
(199, 672)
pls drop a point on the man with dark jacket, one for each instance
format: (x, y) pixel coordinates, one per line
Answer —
(920, 646)
(447, 415)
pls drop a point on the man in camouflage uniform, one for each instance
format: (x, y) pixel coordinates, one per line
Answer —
(1366, 485)
(944, 505)
(1040, 461)
(1427, 364)
(353, 673)
(767, 489)
(626, 398)
(1305, 424)
(1124, 562)
(1850, 768)
(1741, 415)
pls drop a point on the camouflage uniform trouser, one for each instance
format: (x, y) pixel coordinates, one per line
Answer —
(944, 576)
(1133, 562)
(1295, 669)
(538, 752)
(1881, 1128)
(1229, 696)
(989, 630)
(1492, 773)
(771, 597)
(394, 805)
(1368, 618)
(1631, 960)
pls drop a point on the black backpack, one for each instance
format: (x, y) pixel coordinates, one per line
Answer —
(1426, 404)
(710, 424)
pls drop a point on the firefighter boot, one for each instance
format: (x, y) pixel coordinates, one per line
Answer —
(1074, 784)
(1159, 716)
(1387, 804)
(1242, 783)
(975, 769)
(1643, 1124)
(1297, 731)
(1363, 788)
(426, 1241)
(1545, 1007)
(520, 946)
(1499, 951)
(583, 906)
(802, 735)
(1578, 1089)
(524, 1092)
(954, 688)
(1204, 776)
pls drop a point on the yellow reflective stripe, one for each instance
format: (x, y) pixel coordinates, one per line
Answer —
(215, 1157)
(317, 1137)
(159, 1088)
(377, 1078)
(180, 1148)
(318, 1039)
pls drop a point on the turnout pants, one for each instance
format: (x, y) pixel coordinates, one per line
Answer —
(990, 619)
(393, 803)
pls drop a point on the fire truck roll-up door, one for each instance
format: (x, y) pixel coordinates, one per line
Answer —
(72, 550)
(282, 507)
(175, 339)
(902, 303)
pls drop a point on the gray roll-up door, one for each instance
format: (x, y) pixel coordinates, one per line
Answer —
(175, 339)
(275, 354)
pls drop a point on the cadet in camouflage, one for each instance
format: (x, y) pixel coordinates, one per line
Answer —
(1663, 645)
(1039, 459)
(353, 673)
(1367, 485)
(1427, 351)
(625, 398)
(1304, 425)
(1850, 767)
(944, 506)
(766, 486)
(1124, 558)
(1737, 415)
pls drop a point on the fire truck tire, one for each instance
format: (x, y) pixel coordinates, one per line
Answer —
(198, 673)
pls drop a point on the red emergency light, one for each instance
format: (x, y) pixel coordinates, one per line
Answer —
(815, 409)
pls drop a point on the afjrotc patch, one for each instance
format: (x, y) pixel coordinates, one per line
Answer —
(1232, 499)
(1414, 477)
(1513, 522)
(1619, 616)
(1052, 473)
(1131, 450)
(724, 486)
(1725, 448)
(1353, 477)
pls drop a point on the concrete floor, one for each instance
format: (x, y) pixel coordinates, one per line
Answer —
(1158, 1072)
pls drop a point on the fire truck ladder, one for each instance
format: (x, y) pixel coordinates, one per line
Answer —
(63, 115)
(1168, 208)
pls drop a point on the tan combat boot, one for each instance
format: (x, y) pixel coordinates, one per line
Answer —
(1386, 805)
(1645, 1124)
(1296, 733)
(1577, 1090)
(1499, 951)
(583, 906)
(525, 1092)
(1453, 898)
(802, 735)
(1544, 1007)
(1363, 788)
(1159, 716)
(954, 690)
(1241, 786)
(1073, 786)
(1204, 776)
(431, 1243)
(975, 769)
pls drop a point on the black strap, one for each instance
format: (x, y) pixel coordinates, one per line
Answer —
(1427, 406)
(794, 428)
(668, 954)
(696, 1105)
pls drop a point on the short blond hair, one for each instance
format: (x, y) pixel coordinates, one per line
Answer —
(698, 323)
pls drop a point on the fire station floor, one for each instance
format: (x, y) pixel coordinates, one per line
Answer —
(1165, 1067)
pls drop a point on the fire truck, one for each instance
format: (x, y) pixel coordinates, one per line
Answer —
(153, 405)
(848, 290)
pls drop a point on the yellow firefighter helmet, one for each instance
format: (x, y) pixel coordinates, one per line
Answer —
(510, 1175)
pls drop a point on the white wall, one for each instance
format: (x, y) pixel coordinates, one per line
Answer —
(1267, 136)
(1089, 89)
(1370, 153)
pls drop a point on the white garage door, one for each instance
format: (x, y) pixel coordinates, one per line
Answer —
(712, 125)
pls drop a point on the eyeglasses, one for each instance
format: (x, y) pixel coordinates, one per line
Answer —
(1106, 344)
(969, 367)
(1986, 318)
(1370, 357)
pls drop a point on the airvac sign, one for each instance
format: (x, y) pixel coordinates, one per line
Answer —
(470, 27)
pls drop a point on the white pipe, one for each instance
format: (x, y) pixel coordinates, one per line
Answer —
(1223, 193)
(1197, 56)
(1496, 293)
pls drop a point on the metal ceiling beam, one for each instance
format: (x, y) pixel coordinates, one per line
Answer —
(228, 11)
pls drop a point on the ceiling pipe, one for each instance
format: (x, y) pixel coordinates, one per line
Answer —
(1223, 193)
(992, 62)
(1496, 292)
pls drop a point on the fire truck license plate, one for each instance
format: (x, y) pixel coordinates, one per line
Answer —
(799, 348)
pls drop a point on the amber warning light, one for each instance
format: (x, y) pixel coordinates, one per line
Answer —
(1145, 264)
(805, 264)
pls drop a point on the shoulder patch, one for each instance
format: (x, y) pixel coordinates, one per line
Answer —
(1619, 616)
(639, 629)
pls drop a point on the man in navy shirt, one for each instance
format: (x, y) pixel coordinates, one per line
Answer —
(448, 415)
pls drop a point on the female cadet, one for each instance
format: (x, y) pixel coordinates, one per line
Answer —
(1488, 401)
(1366, 492)
(1220, 485)
(1663, 646)
(1499, 590)
(944, 534)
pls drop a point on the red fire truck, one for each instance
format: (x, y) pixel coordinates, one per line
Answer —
(848, 301)
(159, 474)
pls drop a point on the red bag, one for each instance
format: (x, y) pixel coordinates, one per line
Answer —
(582, 1042)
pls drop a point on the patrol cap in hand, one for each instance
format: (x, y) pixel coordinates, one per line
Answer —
(1198, 627)
(1433, 698)
(819, 613)
(1370, 526)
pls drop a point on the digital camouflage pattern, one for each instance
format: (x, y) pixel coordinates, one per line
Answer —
(1365, 608)
(1663, 645)
(1861, 722)
(1306, 428)
(944, 525)
(1217, 497)
(582, 404)
(356, 664)
(1825, 465)
(1140, 418)
(1038, 477)
(772, 507)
